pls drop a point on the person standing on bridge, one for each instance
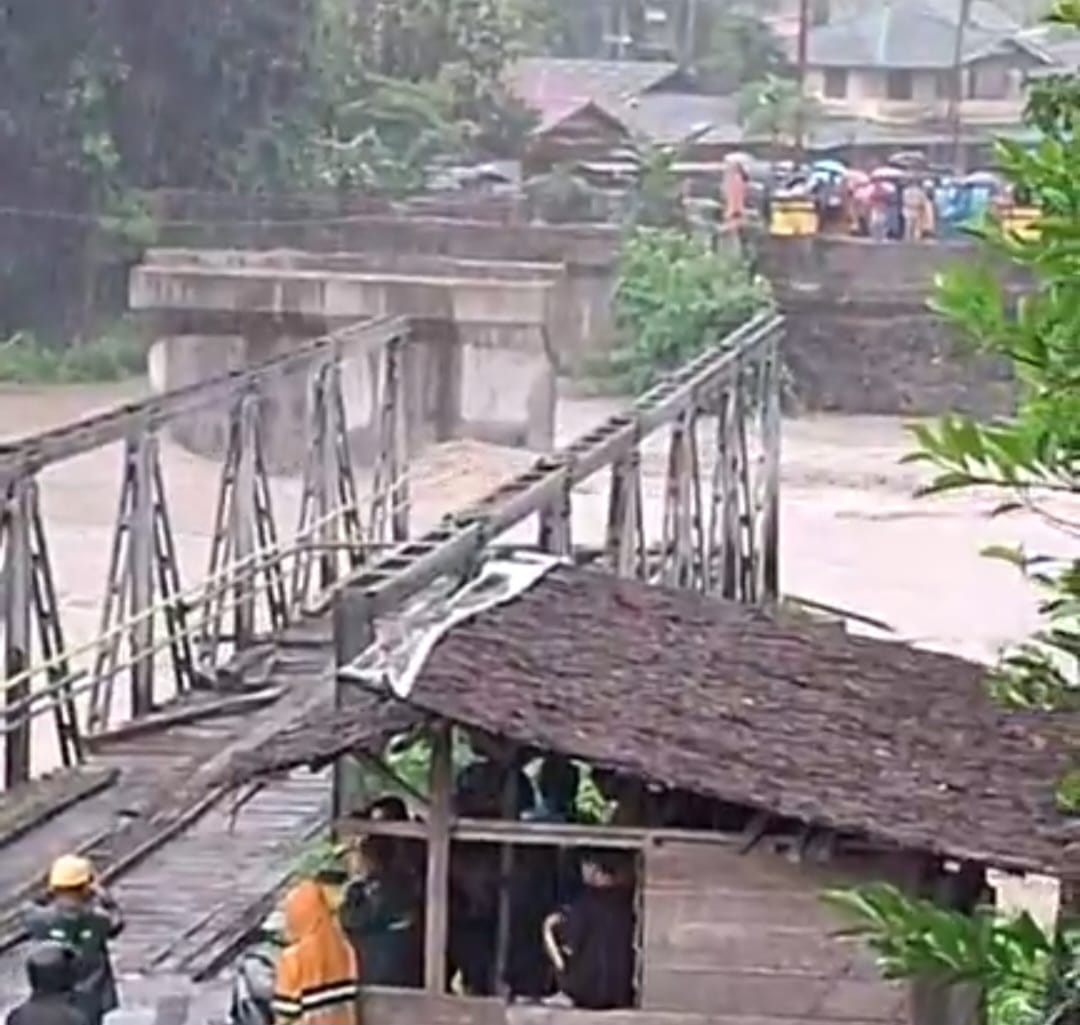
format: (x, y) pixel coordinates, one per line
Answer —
(80, 915)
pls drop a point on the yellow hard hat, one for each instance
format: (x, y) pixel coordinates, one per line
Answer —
(70, 872)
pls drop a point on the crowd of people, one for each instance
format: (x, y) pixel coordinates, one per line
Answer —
(905, 200)
(570, 928)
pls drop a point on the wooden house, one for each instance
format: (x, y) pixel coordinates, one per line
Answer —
(834, 759)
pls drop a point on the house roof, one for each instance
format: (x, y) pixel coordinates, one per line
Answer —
(1060, 44)
(555, 87)
(579, 111)
(767, 709)
(907, 34)
(668, 118)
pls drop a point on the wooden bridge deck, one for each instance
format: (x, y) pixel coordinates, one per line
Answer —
(188, 866)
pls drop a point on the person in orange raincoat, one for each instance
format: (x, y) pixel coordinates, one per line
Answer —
(317, 981)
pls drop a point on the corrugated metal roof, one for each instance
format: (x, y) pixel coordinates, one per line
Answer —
(903, 35)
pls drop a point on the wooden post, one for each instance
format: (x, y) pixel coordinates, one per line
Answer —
(506, 871)
(438, 861)
(354, 631)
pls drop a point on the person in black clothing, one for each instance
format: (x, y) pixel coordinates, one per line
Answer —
(381, 916)
(591, 943)
(51, 970)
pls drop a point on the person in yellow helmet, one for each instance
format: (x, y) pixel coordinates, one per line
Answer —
(78, 913)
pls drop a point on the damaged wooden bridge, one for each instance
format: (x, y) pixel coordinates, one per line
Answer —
(138, 777)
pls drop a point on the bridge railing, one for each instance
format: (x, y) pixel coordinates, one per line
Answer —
(262, 573)
(691, 497)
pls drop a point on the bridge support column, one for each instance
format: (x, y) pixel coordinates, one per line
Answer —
(142, 576)
(17, 604)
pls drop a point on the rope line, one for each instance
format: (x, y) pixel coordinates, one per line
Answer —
(225, 581)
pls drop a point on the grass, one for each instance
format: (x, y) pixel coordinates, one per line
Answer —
(115, 356)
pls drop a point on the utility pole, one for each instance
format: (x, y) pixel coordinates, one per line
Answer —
(956, 97)
(689, 34)
(800, 109)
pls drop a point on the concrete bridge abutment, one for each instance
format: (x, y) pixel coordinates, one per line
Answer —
(478, 363)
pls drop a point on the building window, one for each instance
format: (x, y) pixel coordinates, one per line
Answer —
(946, 85)
(899, 85)
(819, 12)
(989, 81)
(835, 83)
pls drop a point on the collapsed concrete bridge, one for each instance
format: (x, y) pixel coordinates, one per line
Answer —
(479, 364)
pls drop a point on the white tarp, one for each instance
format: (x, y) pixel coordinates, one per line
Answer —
(406, 641)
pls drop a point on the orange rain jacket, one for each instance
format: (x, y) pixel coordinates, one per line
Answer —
(317, 981)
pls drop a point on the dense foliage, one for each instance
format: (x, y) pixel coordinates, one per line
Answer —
(675, 296)
(1032, 458)
(1030, 978)
(239, 95)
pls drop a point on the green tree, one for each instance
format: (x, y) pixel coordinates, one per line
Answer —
(732, 49)
(676, 296)
(1031, 458)
(462, 47)
(104, 101)
(774, 108)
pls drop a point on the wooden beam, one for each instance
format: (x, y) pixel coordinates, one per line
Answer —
(438, 860)
(549, 834)
(182, 715)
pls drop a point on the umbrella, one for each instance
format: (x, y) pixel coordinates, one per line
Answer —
(857, 177)
(982, 178)
(886, 173)
(829, 167)
(909, 158)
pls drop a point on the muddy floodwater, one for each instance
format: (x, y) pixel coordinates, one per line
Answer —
(852, 533)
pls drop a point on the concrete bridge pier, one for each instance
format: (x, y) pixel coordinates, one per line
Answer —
(478, 363)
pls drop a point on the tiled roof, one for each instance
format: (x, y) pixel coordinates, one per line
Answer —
(766, 709)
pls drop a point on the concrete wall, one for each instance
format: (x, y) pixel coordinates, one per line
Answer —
(860, 336)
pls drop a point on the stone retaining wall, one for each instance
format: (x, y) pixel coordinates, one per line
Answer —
(861, 337)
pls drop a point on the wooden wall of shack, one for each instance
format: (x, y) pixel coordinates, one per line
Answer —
(746, 937)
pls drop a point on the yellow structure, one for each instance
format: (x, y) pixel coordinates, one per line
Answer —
(791, 216)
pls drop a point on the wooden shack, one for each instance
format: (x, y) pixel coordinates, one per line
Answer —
(833, 759)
